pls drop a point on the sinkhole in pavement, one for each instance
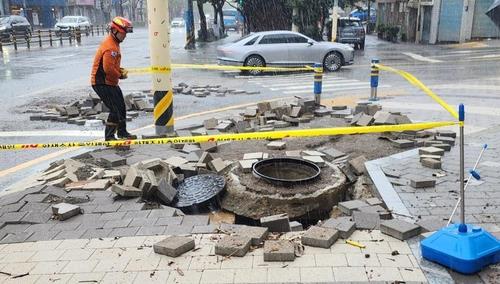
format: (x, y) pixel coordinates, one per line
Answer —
(286, 171)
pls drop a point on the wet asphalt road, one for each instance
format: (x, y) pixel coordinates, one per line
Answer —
(465, 73)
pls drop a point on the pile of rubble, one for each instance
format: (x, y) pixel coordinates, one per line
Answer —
(91, 112)
(201, 91)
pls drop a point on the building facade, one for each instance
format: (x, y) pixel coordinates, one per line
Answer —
(438, 21)
(40, 13)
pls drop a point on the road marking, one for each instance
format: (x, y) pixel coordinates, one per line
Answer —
(421, 58)
(333, 90)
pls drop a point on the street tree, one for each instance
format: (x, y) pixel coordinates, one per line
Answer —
(218, 13)
(203, 33)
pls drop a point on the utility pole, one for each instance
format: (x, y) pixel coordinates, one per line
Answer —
(159, 42)
(295, 12)
(368, 26)
(190, 33)
(335, 18)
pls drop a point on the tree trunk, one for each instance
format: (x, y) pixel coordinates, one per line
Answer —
(121, 8)
(221, 17)
(203, 35)
(215, 13)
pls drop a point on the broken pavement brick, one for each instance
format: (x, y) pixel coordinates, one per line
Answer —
(431, 151)
(399, 229)
(348, 207)
(280, 250)
(101, 184)
(235, 245)
(366, 221)
(112, 160)
(174, 246)
(276, 223)
(64, 211)
(276, 145)
(166, 192)
(422, 182)
(126, 191)
(133, 177)
(320, 237)
(431, 163)
(358, 165)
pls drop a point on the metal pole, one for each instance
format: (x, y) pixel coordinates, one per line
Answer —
(190, 33)
(461, 113)
(295, 13)
(318, 83)
(159, 41)
(374, 79)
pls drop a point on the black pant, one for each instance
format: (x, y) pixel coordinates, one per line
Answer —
(112, 97)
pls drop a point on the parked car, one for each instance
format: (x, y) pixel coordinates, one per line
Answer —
(17, 24)
(351, 30)
(177, 23)
(284, 48)
(231, 23)
(72, 22)
(362, 14)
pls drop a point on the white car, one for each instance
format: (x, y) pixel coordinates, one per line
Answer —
(177, 23)
(72, 22)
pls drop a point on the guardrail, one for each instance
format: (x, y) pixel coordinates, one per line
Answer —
(48, 37)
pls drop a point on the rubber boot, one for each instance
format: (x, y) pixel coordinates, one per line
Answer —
(123, 133)
(109, 132)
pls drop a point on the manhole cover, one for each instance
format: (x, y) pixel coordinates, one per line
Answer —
(286, 171)
(198, 189)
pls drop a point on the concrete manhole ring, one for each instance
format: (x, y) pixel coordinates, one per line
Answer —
(286, 171)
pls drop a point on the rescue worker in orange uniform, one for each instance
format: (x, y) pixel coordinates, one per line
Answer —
(106, 73)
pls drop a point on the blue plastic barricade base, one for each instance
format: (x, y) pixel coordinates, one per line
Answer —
(467, 252)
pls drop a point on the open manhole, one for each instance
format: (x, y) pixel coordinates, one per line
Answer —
(199, 191)
(286, 171)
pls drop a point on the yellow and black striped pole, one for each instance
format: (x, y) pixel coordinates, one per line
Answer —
(159, 42)
(374, 79)
(318, 83)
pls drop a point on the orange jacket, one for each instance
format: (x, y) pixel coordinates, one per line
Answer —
(106, 67)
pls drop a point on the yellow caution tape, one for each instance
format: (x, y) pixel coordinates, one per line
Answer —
(158, 69)
(414, 81)
(237, 137)
(356, 244)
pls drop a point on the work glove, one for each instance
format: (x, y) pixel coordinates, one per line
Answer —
(123, 73)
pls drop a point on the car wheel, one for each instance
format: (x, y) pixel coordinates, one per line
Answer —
(254, 61)
(332, 61)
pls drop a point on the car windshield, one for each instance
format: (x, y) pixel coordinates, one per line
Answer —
(67, 20)
(349, 23)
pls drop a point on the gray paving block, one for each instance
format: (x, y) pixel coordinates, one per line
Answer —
(257, 234)
(342, 224)
(143, 222)
(358, 165)
(96, 233)
(431, 163)
(195, 220)
(42, 236)
(276, 223)
(280, 250)
(14, 228)
(15, 207)
(366, 221)
(124, 232)
(235, 245)
(447, 140)
(39, 227)
(151, 231)
(133, 177)
(332, 154)
(33, 207)
(374, 201)
(68, 226)
(403, 143)
(246, 166)
(64, 211)
(41, 197)
(106, 208)
(178, 230)
(431, 151)
(13, 217)
(20, 237)
(126, 191)
(117, 224)
(36, 218)
(167, 221)
(112, 216)
(296, 226)
(446, 147)
(381, 211)
(166, 192)
(69, 235)
(320, 237)
(131, 206)
(422, 182)
(174, 246)
(165, 212)
(112, 160)
(347, 207)
(399, 229)
(431, 224)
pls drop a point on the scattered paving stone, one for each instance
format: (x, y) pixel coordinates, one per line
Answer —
(342, 113)
(219, 166)
(176, 162)
(101, 184)
(314, 153)
(64, 211)
(112, 160)
(364, 120)
(235, 245)
(434, 157)
(431, 163)
(348, 207)
(446, 140)
(366, 221)
(253, 156)
(204, 229)
(296, 226)
(133, 177)
(447, 133)
(374, 201)
(276, 223)
(320, 237)
(174, 246)
(317, 160)
(384, 214)
(276, 145)
(332, 154)
(126, 191)
(36, 218)
(422, 182)
(256, 234)
(384, 118)
(399, 229)
(403, 143)
(280, 250)
(210, 146)
(295, 154)
(358, 165)
(446, 147)
(166, 192)
(343, 225)
(431, 151)
(246, 165)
